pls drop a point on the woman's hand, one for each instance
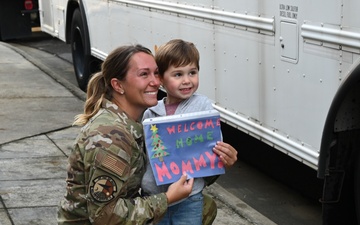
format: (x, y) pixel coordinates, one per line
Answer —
(180, 189)
(227, 154)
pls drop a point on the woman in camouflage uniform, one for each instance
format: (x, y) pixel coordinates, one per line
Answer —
(107, 162)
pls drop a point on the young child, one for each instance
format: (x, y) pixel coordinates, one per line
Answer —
(178, 64)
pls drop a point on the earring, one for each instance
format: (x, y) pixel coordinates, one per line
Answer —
(121, 92)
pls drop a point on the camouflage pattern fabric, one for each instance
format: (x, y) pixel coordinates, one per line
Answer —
(209, 211)
(104, 174)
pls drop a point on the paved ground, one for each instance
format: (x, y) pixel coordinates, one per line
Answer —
(37, 110)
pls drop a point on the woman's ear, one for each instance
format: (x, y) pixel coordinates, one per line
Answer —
(117, 85)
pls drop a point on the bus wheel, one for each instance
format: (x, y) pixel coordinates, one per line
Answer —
(80, 48)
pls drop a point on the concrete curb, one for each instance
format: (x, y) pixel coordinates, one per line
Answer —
(58, 78)
(238, 206)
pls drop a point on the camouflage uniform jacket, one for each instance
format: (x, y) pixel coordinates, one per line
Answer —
(104, 174)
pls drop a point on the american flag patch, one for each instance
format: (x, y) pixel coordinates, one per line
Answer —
(112, 163)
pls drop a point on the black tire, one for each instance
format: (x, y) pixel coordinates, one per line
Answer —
(357, 187)
(342, 195)
(80, 49)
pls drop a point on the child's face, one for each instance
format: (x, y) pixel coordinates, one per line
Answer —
(180, 83)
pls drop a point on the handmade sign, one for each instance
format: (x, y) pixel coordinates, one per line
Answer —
(183, 143)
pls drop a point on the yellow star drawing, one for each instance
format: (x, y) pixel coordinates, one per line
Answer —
(153, 128)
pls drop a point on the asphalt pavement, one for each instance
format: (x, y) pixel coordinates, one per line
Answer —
(37, 109)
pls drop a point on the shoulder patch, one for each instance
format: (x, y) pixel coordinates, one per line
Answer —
(103, 188)
(112, 163)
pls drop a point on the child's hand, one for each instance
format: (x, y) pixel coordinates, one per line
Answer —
(227, 154)
(180, 189)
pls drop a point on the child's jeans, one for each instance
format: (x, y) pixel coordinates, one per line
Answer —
(187, 212)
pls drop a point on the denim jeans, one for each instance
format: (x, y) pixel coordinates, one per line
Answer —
(187, 212)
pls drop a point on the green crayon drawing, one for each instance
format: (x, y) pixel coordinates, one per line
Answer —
(159, 148)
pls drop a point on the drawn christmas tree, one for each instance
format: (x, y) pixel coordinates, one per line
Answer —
(158, 145)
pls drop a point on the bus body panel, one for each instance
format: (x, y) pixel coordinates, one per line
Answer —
(52, 17)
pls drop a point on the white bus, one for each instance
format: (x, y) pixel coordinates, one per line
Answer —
(286, 72)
